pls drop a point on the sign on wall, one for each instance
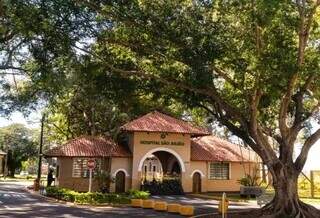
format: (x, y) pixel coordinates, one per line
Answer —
(161, 142)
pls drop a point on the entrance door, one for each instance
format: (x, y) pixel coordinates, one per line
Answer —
(196, 183)
(120, 182)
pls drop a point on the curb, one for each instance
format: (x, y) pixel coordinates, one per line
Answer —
(207, 197)
(48, 198)
(217, 213)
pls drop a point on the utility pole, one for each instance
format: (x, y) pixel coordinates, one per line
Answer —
(40, 155)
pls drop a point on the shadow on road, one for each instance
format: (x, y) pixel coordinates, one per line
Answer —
(15, 201)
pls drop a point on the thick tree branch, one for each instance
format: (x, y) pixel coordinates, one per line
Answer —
(283, 126)
(306, 20)
(256, 130)
(302, 158)
(206, 91)
(300, 114)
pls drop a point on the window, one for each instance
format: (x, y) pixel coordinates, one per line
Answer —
(154, 168)
(80, 168)
(219, 171)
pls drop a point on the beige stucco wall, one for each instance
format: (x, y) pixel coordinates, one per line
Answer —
(237, 172)
(140, 150)
(200, 167)
(207, 185)
(65, 179)
(121, 164)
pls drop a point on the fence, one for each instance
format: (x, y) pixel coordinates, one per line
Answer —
(309, 186)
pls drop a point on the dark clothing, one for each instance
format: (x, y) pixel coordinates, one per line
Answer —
(50, 178)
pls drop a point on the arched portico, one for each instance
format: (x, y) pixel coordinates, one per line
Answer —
(121, 169)
(174, 153)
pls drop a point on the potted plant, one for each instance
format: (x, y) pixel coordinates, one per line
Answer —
(104, 178)
(250, 187)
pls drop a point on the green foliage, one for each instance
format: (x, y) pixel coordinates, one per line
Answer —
(104, 179)
(236, 61)
(164, 187)
(84, 97)
(136, 194)
(29, 165)
(304, 186)
(20, 144)
(248, 180)
(94, 197)
(61, 193)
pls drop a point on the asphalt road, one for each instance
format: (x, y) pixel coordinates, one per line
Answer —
(15, 201)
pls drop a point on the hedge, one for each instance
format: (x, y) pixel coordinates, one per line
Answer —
(94, 197)
(164, 187)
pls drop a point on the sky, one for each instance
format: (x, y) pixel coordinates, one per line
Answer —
(33, 121)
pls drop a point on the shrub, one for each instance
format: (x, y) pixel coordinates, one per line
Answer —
(166, 187)
(29, 177)
(136, 194)
(248, 180)
(89, 197)
(104, 179)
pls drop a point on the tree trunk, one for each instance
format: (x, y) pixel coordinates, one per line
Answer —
(11, 171)
(286, 201)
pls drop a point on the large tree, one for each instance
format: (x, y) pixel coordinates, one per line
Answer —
(94, 103)
(252, 65)
(42, 62)
(20, 144)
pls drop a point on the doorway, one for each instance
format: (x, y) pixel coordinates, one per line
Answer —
(196, 188)
(120, 182)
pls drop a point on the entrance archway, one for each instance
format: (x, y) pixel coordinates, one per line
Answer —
(158, 150)
(120, 182)
(159, 164)
(196, 187)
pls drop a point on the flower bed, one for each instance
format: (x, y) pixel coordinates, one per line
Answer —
(94, 197)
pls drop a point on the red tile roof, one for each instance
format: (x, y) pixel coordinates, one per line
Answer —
(89, 146)
(212, 148)
(159, 122)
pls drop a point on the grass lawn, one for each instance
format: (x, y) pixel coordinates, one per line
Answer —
(310, 200)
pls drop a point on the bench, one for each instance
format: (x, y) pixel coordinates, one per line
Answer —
(252, 191)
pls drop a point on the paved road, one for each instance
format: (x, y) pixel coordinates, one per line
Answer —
(205, 206)
(15, 201)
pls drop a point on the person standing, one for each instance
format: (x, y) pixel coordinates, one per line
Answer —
(50, 178)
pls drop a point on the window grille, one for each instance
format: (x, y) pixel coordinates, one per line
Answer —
(219, 171)
(80, 167)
